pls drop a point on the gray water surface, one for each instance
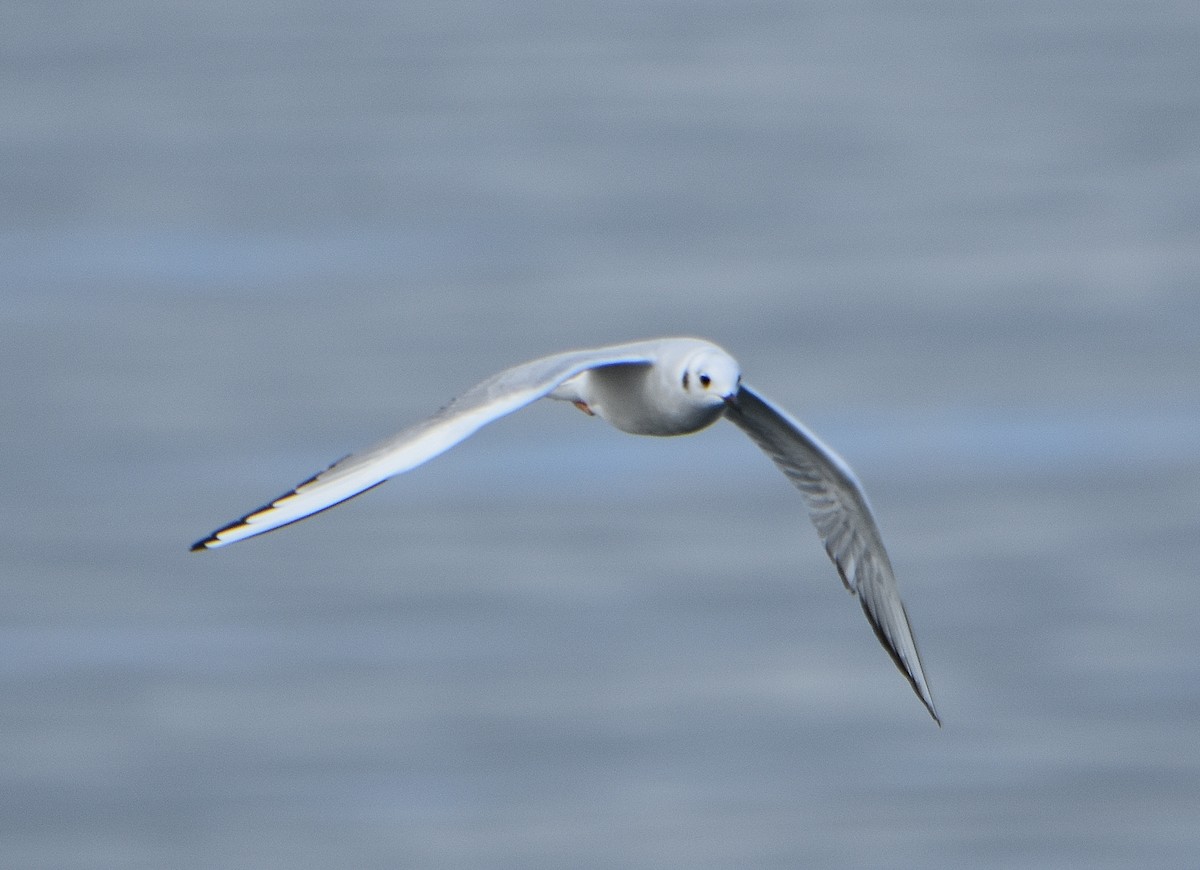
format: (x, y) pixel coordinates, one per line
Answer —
(959, 240)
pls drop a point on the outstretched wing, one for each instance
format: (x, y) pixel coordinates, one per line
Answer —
(495, 397)
(839, 509)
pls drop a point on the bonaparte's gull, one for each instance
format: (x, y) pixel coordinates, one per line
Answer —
(666, 386)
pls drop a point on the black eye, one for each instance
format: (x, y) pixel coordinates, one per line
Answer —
(705, 380)
(685, 380)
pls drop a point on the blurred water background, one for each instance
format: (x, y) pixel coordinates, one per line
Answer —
(958, 239)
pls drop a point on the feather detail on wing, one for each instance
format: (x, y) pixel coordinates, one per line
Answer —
(839, 509)
(495, 397)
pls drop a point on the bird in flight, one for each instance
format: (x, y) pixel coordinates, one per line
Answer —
(665, 386)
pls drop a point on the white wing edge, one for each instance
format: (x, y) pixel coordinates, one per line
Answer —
(499, 395)
(840, 511)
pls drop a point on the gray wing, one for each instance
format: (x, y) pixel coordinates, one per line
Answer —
(495, 397)
(839, 509)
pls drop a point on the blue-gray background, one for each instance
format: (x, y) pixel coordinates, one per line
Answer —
(959, 239)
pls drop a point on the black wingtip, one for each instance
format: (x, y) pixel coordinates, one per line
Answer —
(201, 545)
(927, 703)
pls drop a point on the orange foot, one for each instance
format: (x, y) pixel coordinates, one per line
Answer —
(582, 406)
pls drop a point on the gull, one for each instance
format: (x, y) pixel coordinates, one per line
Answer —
(665, 386)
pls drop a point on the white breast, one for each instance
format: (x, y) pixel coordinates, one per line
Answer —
(643, 400)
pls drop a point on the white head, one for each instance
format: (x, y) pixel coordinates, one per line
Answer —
(710, 377)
